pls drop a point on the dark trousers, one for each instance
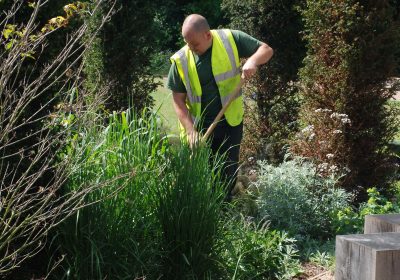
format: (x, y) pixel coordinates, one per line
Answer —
(225, 140)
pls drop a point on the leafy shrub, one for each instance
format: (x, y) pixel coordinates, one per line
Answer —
(160, 63)
(253, 251)
(351, 220)
(295, 198)
(320, 140)
(120, 55)
(320, 252)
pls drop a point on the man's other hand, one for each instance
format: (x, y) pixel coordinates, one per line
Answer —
(194, 138)
(249, 69)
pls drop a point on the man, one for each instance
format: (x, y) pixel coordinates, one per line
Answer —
(202, 76)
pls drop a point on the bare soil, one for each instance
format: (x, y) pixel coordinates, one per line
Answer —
(314, 272)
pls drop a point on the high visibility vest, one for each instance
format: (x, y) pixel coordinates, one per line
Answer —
(225, 67)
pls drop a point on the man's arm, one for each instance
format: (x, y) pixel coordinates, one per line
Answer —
(261, 56)
(179, 100)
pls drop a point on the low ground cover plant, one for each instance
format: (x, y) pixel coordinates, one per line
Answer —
(252, 250)
(351, 219)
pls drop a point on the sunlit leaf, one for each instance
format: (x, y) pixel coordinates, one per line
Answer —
(32, 4)
(53, 21)
(29, 55)
(11, 26)
(61, 21)
(33, 37)
(9, 45)
(7, 33)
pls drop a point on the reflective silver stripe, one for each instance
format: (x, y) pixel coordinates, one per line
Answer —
(226, 75)
(224, 99)
(229, 50)
(192, 98)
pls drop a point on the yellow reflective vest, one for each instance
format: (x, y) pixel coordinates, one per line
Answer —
(225, 67)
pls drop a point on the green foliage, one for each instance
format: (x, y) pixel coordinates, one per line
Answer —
(253, 251)
(320, 252)
(350, 220)
(278, 24)
(110, 238)
(324, 259)
(351, 55)
(120, 57)
(160, 63)
(157, 212)
(188, 205)
(296, 198)
(171, 14)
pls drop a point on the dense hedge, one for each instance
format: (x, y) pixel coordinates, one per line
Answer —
(171, 13)
(278, 23)
(351, 54)
(121, 54)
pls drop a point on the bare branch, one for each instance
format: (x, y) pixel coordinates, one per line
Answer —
(29, 210)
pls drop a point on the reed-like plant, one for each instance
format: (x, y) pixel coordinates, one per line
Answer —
(189, 201)
(157, 214)
(115, 237)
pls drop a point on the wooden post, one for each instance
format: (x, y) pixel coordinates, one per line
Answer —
(382, 223)
(368, 257)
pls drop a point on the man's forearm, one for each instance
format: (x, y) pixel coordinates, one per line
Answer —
(182, 112)
(262, 55)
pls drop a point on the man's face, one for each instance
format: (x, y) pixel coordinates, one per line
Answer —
(198, 42)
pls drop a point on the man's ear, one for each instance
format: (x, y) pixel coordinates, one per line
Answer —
(208, 35)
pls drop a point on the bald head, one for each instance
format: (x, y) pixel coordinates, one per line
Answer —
(196, 33)
(195, 23)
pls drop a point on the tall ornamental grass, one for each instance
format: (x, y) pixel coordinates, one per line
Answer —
(157, 213)
(188, 204)
(117, 236)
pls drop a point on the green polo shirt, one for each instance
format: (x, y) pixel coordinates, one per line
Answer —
(210, 99)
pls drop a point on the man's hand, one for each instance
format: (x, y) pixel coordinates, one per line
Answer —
(194, 138)
(249, 69)
(261, 56)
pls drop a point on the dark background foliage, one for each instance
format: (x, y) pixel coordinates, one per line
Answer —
(277, 23)
(122, 53)
(351, 54)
